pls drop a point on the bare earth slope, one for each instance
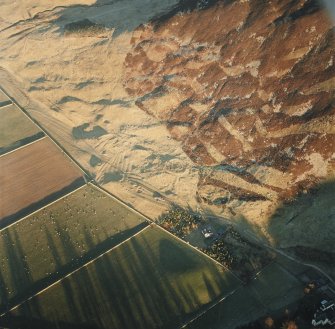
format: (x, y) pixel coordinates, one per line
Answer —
(248, 88)
(224, 105)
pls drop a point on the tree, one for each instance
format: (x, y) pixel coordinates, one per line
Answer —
(289, 325)
(269, 323)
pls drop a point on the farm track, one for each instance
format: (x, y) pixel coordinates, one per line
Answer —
(132, 178)
(87, 175)
(62, 149)
(265, 245)
(89, 178)
(197, 250)
(254, 238)
(185, 325)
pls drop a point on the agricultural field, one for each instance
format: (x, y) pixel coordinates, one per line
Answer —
(31, 177)
(276, 287)
(273, 289)
(4, 100)
(237, 309)
(150, 281)
(66, 235)
(16, 129)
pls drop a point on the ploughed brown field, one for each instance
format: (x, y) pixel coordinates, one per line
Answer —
(32, 176)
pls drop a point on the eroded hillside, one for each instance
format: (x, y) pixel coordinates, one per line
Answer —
(247, 87)
(223, 105)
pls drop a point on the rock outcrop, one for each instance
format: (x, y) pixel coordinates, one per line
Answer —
(248, 88)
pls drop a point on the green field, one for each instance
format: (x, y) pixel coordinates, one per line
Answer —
(39, 249)
(239, 308)
(273, 289)
(4, 100)
(276, 287)
(16, 129)
(151, 281)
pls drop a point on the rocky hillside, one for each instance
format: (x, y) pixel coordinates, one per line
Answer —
(248, 88)
(222, 105)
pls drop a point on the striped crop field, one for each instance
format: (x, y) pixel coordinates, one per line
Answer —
(273, 289)
(152, 280)
(39, 249)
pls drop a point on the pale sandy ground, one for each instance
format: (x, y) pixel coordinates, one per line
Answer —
(137, 150)
(13, 11)
(75, 79)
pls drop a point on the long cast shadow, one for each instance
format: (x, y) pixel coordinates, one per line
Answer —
(5, 221)
(119, 16)
(130, 288)
(21, 142)
(305, 226)
(29, 288)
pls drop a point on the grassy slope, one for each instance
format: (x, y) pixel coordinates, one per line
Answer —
(83, 223)
(151, 281)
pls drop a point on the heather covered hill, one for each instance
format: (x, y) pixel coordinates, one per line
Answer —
(222, 105)
(248, 89)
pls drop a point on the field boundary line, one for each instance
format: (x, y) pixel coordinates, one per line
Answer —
(23, 146)
(74, 271)
(46, 206)
(93, 182)
(111, 195)
(163, 229)
(315, 267)
(59, 146)
(210, 307)
(6, 105)
(200, 252)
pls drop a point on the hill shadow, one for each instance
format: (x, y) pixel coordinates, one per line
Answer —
(25, 286)
(122, 16)
(122, 289)
(305, 226)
